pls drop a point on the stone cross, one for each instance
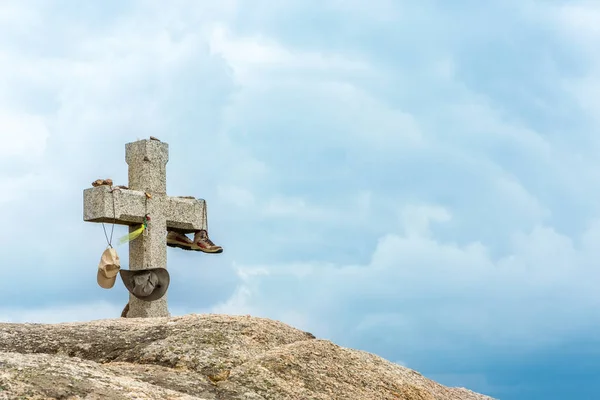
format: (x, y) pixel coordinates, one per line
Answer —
(147, 160)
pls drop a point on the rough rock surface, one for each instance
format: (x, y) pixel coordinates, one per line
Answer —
(206, 357)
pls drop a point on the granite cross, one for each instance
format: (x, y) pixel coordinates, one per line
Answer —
(147, 160)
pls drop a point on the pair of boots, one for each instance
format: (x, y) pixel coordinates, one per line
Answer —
(201, 242)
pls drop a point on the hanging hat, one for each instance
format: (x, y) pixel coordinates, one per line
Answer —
(108, 268)
(146, 284)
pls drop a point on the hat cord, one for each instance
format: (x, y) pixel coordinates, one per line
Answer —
(204, 217)
(112, 229)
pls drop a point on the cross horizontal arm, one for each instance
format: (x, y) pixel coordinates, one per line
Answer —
(129, 205)
(185, 214)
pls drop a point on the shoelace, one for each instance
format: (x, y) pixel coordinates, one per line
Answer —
(206, 239)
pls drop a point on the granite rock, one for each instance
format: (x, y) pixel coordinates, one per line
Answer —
(206, 357)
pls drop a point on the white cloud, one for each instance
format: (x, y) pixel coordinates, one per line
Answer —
(17, 188)
(294, 208)
(236, 195)
(580, 19)
(523, 300)
(374, 123)
(483, 123)
(578, 24)
(417, 219)
(379, 11)
(23, 136)
(237, 304)
(253, 57)
(520, 199)
(17, 16)
(64, 313)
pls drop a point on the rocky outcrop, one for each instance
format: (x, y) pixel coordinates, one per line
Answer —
(198, 357)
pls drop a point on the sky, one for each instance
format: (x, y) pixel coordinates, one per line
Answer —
(419, 180)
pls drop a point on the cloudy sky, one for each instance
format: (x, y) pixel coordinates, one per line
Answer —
(420, 180)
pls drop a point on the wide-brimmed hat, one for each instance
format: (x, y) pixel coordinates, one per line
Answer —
(108, 268)
(146, 284)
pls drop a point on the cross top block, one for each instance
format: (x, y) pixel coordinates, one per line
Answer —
(147, 160)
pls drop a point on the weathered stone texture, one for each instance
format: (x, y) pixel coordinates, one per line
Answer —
(206, 357)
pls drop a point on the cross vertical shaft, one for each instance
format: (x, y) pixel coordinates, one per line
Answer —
(147, 161)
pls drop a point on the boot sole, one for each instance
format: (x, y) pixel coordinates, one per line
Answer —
(189, 248)
(206, 251)
(179, 246)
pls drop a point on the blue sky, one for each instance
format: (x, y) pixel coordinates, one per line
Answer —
(415, 179)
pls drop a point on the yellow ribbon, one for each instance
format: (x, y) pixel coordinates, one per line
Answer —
(132, 235)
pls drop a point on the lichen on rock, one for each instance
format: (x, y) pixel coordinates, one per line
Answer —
(206, 357)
